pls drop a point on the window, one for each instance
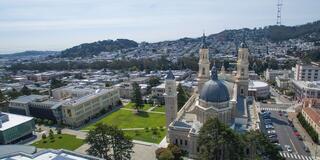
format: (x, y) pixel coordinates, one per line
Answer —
(203, 71)
(176, 142)
(185, 142)
(241, 91)
(180, 141)
(242, 72)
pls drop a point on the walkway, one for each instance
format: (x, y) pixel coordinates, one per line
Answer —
(314, 148)
(128, 109)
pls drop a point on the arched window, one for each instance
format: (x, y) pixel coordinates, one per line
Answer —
(203, 71)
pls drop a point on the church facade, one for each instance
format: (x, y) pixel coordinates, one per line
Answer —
(218, 96)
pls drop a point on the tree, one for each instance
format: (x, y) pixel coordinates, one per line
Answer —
(54, 83)
(109, 142)
(51, 134)
(182, 96)
(44, 136)
(256, 141)
(58, 131)
(13, 94)
(25, 90)
(137, 96)
(153, 81)
(2, 97)
(217, 141)
(172, 152)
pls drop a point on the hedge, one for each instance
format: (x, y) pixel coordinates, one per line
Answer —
(312, 133)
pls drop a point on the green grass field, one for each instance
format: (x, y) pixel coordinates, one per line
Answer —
(159, 109)
(131, 106)
(129, 119)
(66, 141)
(147, 136)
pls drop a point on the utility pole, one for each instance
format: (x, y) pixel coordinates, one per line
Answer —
(279, 5)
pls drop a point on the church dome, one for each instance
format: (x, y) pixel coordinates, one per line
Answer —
(214, 90)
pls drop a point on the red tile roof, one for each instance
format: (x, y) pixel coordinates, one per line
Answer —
(313, 113)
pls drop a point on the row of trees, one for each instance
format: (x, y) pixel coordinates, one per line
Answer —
(312, 133)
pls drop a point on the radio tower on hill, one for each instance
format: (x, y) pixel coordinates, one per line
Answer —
(279, 5)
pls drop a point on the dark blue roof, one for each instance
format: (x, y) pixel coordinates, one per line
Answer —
(170, 75)
(215, 91)
(243, 45)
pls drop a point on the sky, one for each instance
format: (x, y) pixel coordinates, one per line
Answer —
(60, 24)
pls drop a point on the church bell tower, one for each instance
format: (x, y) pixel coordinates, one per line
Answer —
(204, 64)
(170, 97)
(242, 77)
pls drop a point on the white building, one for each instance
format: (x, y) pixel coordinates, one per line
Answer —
(215, 98)
(85, 102)
(259, 89)
(283, 81)
(48, 154)
(303, 72)
(270, 74)
(305, 89)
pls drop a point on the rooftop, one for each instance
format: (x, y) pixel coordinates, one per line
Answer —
(48, 155)
(313, 113)
(14, 120)
(308, 84)
(29, 98)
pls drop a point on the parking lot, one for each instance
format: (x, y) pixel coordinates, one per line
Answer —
(280, 131)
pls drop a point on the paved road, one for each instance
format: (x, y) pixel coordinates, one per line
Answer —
(286, 137)
(279, 98)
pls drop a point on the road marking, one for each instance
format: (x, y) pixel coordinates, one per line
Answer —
(295, 156)
(303, 157)
(298, 156)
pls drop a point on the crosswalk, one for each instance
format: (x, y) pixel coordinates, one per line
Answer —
(295, 156)
(274, 109)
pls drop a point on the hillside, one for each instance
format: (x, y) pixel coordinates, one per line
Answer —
(90, 49)
(223, 42)
(29, 54)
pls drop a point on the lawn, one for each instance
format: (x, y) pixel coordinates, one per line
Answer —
(147, 136)
(159, 109)
(131, 106)
(61, 141)
(129, 119)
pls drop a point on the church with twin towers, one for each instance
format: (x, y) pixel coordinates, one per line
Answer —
(219, 94)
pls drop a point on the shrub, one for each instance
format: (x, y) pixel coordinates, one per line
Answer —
(51, 134)
(146, 129)
(58, 131)
(44, 136)
(50, 122)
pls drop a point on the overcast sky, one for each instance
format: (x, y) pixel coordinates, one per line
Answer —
(59, 24)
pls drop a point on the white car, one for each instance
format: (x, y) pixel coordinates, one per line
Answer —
(288, 148)
(272, 132)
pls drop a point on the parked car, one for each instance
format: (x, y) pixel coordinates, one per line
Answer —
(306, 149)
(272, 136)
(271, 131)
(269, 126)
(288, 148)
(274, 140)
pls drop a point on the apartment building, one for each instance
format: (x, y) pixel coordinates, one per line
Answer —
(306, 89)
(304, 72)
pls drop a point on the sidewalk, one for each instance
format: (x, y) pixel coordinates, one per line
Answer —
(314, 148)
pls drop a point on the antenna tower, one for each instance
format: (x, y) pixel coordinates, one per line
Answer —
(279, 5)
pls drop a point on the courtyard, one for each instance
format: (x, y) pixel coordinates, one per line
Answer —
(147, 125)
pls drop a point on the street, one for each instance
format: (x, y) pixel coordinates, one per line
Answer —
(285, 136)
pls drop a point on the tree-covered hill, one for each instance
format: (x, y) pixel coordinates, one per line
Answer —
(90, 49)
